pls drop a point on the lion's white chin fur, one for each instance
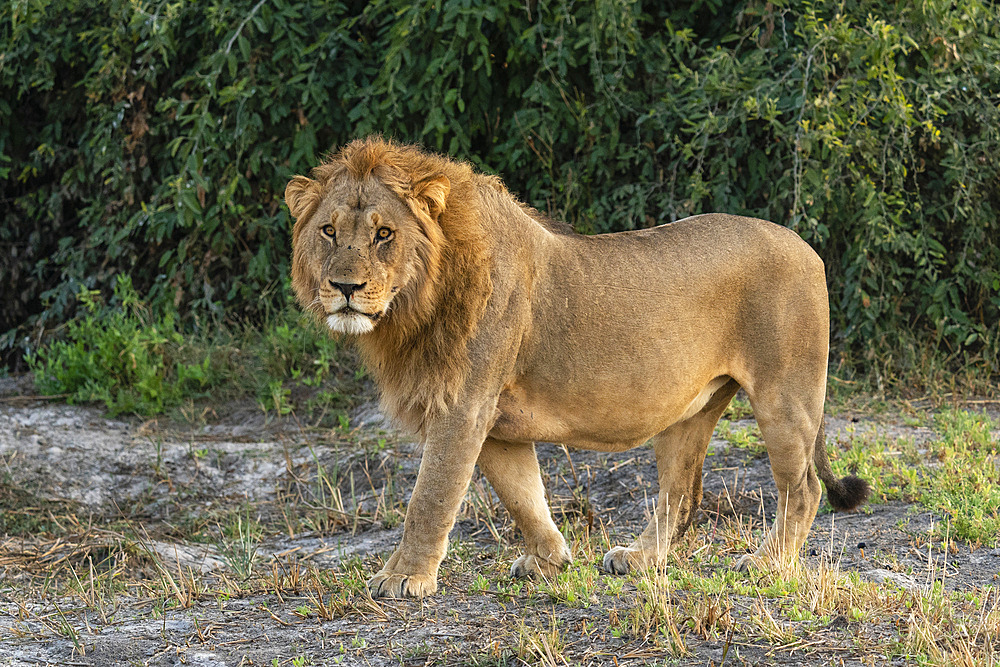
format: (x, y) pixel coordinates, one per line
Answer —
(350, 323)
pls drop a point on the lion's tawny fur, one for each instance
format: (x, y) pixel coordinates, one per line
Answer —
(488, 327)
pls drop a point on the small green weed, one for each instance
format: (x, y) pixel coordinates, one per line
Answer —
(238, 544)
(479, 584)
(738, 408)
(275, 398)
(747, 438)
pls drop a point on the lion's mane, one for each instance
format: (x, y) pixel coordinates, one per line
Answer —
(419, 354)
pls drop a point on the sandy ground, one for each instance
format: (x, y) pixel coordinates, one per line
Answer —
(157, 475)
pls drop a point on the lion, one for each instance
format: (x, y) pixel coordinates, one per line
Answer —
(489, 327)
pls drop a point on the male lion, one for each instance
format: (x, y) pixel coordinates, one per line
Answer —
(488, 327)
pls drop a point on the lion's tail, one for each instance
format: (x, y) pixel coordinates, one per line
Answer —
(845, 494)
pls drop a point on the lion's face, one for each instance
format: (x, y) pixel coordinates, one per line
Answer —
(358, 250)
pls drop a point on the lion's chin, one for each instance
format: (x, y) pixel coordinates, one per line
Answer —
(350, 323)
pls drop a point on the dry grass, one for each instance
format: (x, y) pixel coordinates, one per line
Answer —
(77, 577)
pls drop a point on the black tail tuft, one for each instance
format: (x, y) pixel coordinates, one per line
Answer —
(848, 493)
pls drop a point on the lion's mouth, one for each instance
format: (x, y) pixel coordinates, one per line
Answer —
(347, 310)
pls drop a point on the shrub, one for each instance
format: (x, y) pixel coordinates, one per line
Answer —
(119, 356)
(132, 361)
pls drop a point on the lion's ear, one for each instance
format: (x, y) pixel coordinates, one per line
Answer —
(432, 193)
(301, 194)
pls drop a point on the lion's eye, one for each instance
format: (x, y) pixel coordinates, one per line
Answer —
(383, 234)
(328, 231)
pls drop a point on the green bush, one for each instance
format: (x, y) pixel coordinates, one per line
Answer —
(154, 139)
(121, 355)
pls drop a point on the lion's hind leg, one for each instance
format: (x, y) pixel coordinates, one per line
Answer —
(512, 470)
(680, 455)
(789, 424)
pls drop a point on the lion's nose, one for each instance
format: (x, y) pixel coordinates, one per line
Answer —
(347, 289)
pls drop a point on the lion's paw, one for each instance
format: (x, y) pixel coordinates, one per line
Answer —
(764, 560)
(393, 585)
(619, 560)
(529, 566)
(748, 561)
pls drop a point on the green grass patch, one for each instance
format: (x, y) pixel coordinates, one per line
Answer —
(966, 483)
(955, 474)
(574, 586)
(121, 355)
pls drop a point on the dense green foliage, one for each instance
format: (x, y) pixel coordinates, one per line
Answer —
(154, 139)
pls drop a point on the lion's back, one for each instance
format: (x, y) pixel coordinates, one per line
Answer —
(694, 257)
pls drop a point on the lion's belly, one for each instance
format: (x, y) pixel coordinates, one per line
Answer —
(541, 426)
(600, 424)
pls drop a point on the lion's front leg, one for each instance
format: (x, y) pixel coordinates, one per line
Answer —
(445, 471)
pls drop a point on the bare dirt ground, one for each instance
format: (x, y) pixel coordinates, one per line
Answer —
(243, 539)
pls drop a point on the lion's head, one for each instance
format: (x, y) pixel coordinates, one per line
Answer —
(387, 246)
(366, 236)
